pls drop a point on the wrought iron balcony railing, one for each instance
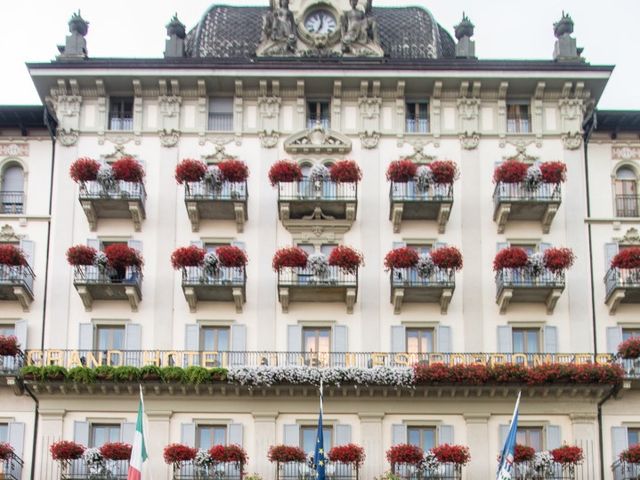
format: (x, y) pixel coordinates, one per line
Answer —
(520, 285)
(514, 201)
(217, 471)
(317, 190)
(303, 471)
(120, 200)
(80, 470)
(98, 283)
(408, 286)
(622, 286)
(420, 125)
(121, 122)
(228, 191)
(11, 365)
(16, 276)
(305, 277)
(11, 203)
(120, 190)
(627, 205)
(517, 192)
(409, 192)
(625, 471)
(225, 285)
(11, 468)
(553, 471)
(407, 201)
(444, 471)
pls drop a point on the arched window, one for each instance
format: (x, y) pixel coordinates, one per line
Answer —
(626, 192)
(12, 190)
(306, 169)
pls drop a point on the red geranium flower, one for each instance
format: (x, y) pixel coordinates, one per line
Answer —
(81, 255)
(523, 454)
(128, 169)
(121, 256)
(9, 346)
(231, 256)
(558, 259)
(191, 256)
(345, 171)
(289, 257)
(447, 258)
(457, 454)
(631, 454)
(444, 171)
(553, 172)
(228, 454)
(6, 451)
(284, 171)
(190, 170)
(286, 454)
(84, 170)
(402, 171)
(346, 258)
(66, 450)
(630, 348)
(511, 171)
(405, 453)
(177, 453)
(567, 455)
(403, 257)
(12, 256)
(512, 257)
(627, 258)
(351, 454)
(116, 451)
(233, 170)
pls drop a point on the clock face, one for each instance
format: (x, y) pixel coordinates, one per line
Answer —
(320, 22)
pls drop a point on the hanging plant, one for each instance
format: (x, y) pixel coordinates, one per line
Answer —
(122, 256)
(350, 454)
(533, 178)
(228, 454)
(511, 171)
(231, 256)
(65, 450)
(425, 266)
(444, 171)
(234, 171)
(631, 455)
(286, 454)
(424, 179)
(284, 171)
(567, 455)
(345, 171)
(319, 173)
(403, 257)
(511, 257)
(318, 264)
(190, 170)
(346, 258)
(402, 171)
(456, 454)
(12, 256)
(128, 169)
(84, 169)
(191, 256)
(630, 348)
(9, 346)
(553, 172)
(176, 453)
(448, 258)
(627, 259)
(405, 453)
(116, 451)
(106, 177)
(558, 259)
(289, 257)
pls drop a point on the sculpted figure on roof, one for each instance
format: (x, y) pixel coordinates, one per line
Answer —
(280, 26)
(359, 27)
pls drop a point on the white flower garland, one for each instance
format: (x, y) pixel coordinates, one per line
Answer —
(94, 461)
(318, 264)
(424, 179)
(203, 460)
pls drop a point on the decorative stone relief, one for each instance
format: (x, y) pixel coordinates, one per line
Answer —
(14, 149)
(118, 138)
(519, 141)
(370, 107)
(269, 139)
(269, 107)
(68, 138)
(470, 140)
(419, 155)
(219, 154)
(7, 234)
(572, 141)
(169, 138)
(632, 237)
(169, 105)
(370, 140)
(220, 140)
(317, 140)
(521, 152)
(625, 152)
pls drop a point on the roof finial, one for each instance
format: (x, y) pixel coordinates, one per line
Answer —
(176, 31)
(466, 47)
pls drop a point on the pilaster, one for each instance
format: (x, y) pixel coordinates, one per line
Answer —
(372, 442)
(477, 440)
(265, 436)
(158, 436)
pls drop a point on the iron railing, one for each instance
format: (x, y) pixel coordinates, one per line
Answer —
(80, 470)
(625, 471)
(17, 276)
(203, 190)
(306, 277)
(11, 468)
(518, 125)
(621, 278)
(324, 122)
(225, 276)
(218, 471)
(518, 192)
(631, 367)
(11, 203)
(317, 190)
(304, 471)
(552, 471)
(410, 192)
(220, 122)
(11, 365)
(444, 471)
(419, 125)
(94, 275)
(93, 190)
(121, 122)
(627, 206)
(409, 277)
(524, 278)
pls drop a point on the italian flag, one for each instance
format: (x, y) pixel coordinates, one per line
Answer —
(139, 450)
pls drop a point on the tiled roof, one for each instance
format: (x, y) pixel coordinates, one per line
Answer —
(408, 33)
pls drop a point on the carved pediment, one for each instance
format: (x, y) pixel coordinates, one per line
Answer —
(632, 237)
(8, 234)
(317, 140)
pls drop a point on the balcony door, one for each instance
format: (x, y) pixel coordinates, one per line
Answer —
(209, 435)
(626, 191)
(108, 339)
(316, 344)
(104, 433)
(530, 437)
(419, 342)
(214, 339)
(423, 437)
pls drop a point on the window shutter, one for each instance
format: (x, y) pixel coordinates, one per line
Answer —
(16, 437)
(135, 244)
(20, 329)
(81, 433)
(444, 339)
(502, 434)
(554, 437)
(94, 243)
(343, 434)
(619, 441)
(610, 251)
(543, 247)
(133, 344)
(192, 338)
(238, 344)
(198, 243)
(292, 435)
(85, 338)
(550, 340)
(505, 339)
(340, 344)
(28, 247)
(294, 338)
(445, 435)
(235, 434)
(501, 246)
(398, 339)
(398, 434)
(614, 338)
(188, 434)
(128, 432)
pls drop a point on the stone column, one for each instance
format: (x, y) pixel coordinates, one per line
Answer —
(49, 431)
(372, 442)
(478, 441)
(158, 436)
(584, 428)
(265, 436)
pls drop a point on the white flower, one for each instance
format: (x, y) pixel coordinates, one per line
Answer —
(543, 462)
(425, 266)
(213, 176)
(533, 178)
(203, 459)
(318, 264)
(430, 462)
(105, 177)
(101, 260)
(94, 461)
(535, 264)
(319, 173)
(211, 263)
(424, 179)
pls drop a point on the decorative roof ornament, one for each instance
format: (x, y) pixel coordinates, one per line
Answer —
(360, 35)
(279, 31)
(175, 44)
(465, 28)
(566, 49)
(176, 27)
(79, 25)
(465, 48)
(75, 47)
(564, 26)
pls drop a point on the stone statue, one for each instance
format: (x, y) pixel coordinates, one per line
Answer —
(75, 47)
(358, 27)
(280, 26)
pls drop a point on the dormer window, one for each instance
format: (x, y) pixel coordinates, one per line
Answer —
(121, 113)
(518, 117)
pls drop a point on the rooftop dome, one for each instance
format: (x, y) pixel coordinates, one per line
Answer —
(406, 33)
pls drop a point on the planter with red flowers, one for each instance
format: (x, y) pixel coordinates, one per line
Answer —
(527, 192)
(9, 346)
(216, 276)
(622, 280)
(444, 461)
(112, 274)
(114, 190)
(324, 196)
(66, 452)
(421, 192)
(177, 454)
(290, 461)
(523, 277)
(16, 276)
(214, 192)
(422, 278)
(317, 277)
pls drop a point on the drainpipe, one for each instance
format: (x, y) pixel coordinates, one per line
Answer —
(36, 414)
(614, 391)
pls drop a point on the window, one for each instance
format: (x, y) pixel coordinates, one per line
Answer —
(209, 435)
(221, 114)
(318, 114)
(531, 437)
(306, 169)
(12, 191)
(530, 248)
(417, 117)
(308, 438)
(421, 248)
(526, 340)
(214, 339)
(4, 432)
(316, 340)
(109, 338)
(121, 113)
(626, 191)
(327, 248)
(419, 340)
(7, 330)
(307, 247)
(101, 434)
(423, 437)
(633, 436)
(518, 118)
(627, 333)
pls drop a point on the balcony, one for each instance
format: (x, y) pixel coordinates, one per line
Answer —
(305, 204)
(519, 285)
(301, 285)
(226, 471)
(95, 283)
(79, 470)
(514, 202)
(302, 471)
(204, 201)
(622, 286)
(124, 200)
(407, 286)
(408, 203)
(11, 203)
(10, 366)
(552, 471)
(11, 468)
(227, 285)
(627, 206)
(417, 125)
(16, 285)
(625, 471)
(444, 471)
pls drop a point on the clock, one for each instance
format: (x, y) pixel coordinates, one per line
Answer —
(320, 22)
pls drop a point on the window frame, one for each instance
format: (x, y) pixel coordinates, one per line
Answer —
(525, 341)
(211, 426)
(422, 429)
(413, 114)
(217, 329)
(15, 204)
(326, 428)
(515, 124)
(409, 330)
(122, 112)
(110, 426)
(108, 327)
(316, 330)
(325, 121)
(227, 117)
(538, 428)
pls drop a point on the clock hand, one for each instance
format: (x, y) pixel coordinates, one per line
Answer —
(321, 22)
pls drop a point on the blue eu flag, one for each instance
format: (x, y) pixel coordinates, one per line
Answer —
(319, 454)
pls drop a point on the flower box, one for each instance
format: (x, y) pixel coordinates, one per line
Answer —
(290, 257)
(191, 256)
(128, 169)
(402, 171)
(9, 346)
(346, 258)
(567, 455)
(456, 454)
(345, 171)
(630, 348)
(176, 453)
(631, 455)
(512, 257)
(190, 170)
(84, 170)
(523, 453)
(511, 171)
(65, 450)
(116, 451)
(629, 258)
(351, 454)
(403, 257)
(6, 451)
(121, 256)
(405, 453)
(558, 259)
(231, 256)
(234, 171)
(444, 171)
(553, 172)
(286, 454)
(228, 454)
(447, 258)
(81, 255)
(284, 171)
(12, 256)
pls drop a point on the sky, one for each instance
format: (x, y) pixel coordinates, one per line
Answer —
(505, 29)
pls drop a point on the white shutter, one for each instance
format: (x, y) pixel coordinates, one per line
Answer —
(291, 435)
(29, 248)
(81, 433)
(340, 339)
(614, 338)
(398, 339)
(235, 434)
(505, 339)
(554, 437)
(192, 338)
(610, 251)
(127, 432)
(398, 434)
(342, 434)
(20, 329)
(238, 345)
(133, 344)
(85, 337)
(294, 338)
(444, 340)
(445, 435)
(16, 437)
(619, 441)
(188, 434)
(550, 340)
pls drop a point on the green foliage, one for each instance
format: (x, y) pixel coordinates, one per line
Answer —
(104, 373)
(54, 373)
(172, 374)
(82, 375)
(150, 373)
(126, 374)
(32, 372)
(218, 374)
(388, 476)
(196, 375)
